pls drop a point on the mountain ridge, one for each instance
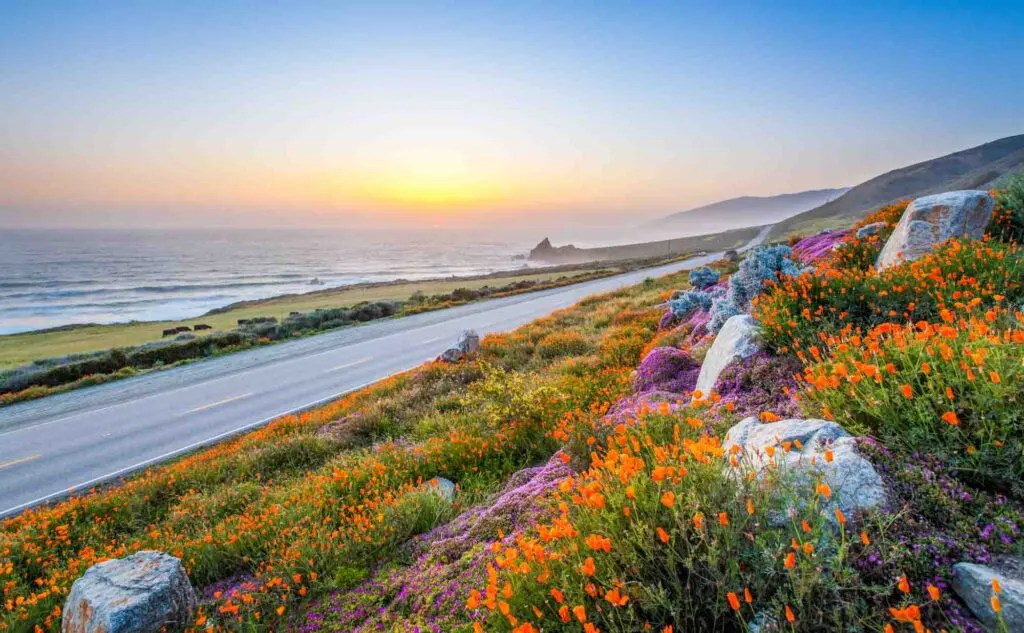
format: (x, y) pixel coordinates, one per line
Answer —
(978, 167)
(782, 205)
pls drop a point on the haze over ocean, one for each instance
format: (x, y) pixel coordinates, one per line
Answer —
(51, 278)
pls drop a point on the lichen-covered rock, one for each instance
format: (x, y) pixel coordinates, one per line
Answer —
(666, 369)
(973, 583)
(870, 229)
(467, 345)
(735, 341)
(142, 593)
(800, 447)
(934, 219)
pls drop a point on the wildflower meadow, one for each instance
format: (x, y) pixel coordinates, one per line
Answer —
(596, 489)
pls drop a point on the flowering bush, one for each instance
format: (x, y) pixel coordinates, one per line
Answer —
(950, 388)
(761, 383)
(703, 278)
(817, 246)
(667, 369)
(860, 253)
(799, 312)
(765, 264)
(1008, 216)
(656, 535)
(941, 522)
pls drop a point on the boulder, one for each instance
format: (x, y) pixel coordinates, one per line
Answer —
(934, 219)
(855, 483)
(973, 583)
(868, 230)
(735, 341)
(444, 488)
(467, 345)
(142, 593)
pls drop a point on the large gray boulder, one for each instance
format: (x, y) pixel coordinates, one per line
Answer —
(973, 583)
(736, 340)
(934, 219)
(467, 345)
(142, 593)
(855, 483)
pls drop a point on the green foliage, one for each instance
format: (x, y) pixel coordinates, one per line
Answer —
(662, 534)
(505, 396)
(804, 311)
(951, 389)
(1008, 217)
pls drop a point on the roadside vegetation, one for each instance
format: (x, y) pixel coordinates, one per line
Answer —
(314, 501)
(596, 491)
(47, 376)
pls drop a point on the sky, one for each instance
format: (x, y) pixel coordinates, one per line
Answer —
(172, 114)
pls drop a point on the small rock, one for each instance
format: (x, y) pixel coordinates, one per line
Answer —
(467, 345)
(934, 219)
(869, 230)
(973, 583)
(444, 488)
(735, 341)
(855, 483)
(142, 593)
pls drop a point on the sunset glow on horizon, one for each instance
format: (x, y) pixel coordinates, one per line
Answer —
(427, 114)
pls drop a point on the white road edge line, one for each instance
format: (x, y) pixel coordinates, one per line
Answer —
(199, 444)
(217, 404)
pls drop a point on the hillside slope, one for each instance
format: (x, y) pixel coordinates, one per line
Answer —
(752, 210)
(975, 168)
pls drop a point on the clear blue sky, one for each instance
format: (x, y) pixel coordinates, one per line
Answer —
(331, 112)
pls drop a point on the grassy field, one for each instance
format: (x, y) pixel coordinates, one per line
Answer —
(18, 349)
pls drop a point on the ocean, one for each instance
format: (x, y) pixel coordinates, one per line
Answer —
(50, 278)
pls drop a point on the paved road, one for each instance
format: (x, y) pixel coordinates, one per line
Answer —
(81, 438)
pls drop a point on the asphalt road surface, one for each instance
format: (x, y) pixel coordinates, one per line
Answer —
(75, 440)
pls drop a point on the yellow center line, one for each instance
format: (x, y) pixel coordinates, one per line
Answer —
(217, 404)
(15, 462)
(350, 364)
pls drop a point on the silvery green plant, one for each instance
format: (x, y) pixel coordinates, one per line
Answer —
(703, 278)
(767, 263)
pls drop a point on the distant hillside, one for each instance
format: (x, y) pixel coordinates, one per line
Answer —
(975, 168)
(749, 210)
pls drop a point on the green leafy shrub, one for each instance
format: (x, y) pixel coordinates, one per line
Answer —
(1008, 217)
(798, 313)
(656, 533)
(952, 388)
